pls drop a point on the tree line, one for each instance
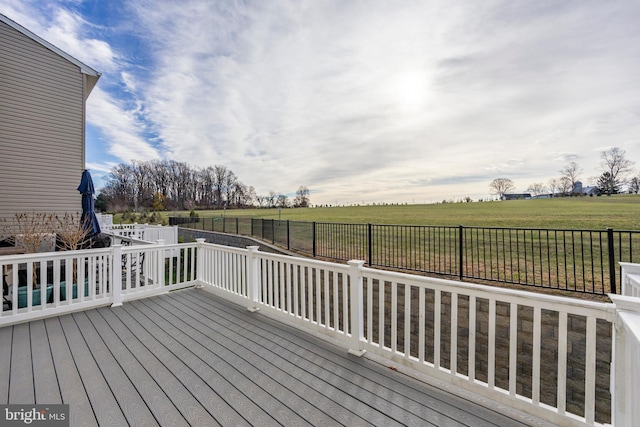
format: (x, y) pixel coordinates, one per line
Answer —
(169, 184)
(616, 177)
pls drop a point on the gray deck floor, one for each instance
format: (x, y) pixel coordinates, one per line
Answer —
(190, 358)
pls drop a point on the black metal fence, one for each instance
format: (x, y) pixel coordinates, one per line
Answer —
(575, 260)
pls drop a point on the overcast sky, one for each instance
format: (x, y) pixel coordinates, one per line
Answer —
(360, 101)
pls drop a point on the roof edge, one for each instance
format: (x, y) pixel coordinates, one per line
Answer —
(84, 68)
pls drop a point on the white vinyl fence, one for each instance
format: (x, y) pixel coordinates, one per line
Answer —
(546, 355)
(52, 283)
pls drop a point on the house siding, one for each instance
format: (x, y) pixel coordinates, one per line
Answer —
(41, 127)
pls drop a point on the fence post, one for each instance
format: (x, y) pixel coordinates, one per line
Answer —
(160, 264)
(288, 239)
(116, 279)
(461, 251)
(237, 226)
(200, 264)
(612, 262)
(370, 242)
(253, 286)
(273, 231)
(625, 387)
(313, 233)
(356, 307)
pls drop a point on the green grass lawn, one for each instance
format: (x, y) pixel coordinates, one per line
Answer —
(620, 212)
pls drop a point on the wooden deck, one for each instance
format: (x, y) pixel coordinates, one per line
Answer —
(190, 358)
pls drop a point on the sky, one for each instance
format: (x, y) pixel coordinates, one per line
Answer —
(359, 101)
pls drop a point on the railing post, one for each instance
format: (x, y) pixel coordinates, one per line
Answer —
(253, 286)
(116, 275)
(160, 264)
(273, 231)
(237, 226)
(199, 264)
(461, 251)
(625, 384)
(356, 307)
(288, 240)
(612, 262)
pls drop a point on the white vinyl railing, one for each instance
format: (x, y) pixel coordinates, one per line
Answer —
(53, 283)
(626, 373)
(630, 279)
(149, 233)
(569, 361)
(545, 355)
(474, 337)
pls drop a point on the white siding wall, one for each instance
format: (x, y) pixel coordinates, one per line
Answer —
(41, 127)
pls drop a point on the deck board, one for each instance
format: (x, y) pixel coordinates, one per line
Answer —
(190, 358)
(151, 358)
(163, 409)
(46, 383)
(321, 382)
(6, 337)
(71, 386)
(21, 391)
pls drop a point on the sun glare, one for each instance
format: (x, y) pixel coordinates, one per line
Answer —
(409, 90)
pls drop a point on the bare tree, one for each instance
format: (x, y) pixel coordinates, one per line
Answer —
(615, 163)
(564, 186)
(537, 188)
(553, 186)
(302, 197)
(282, 201)
(634, 185)
(271, 199)
(571, 172)
(501, 186)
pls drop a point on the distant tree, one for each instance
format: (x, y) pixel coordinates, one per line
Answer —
(282, 201)
(159, 201)
(101, 203)
(302, 198)
(571, 172)
(564, 186)
(271, 199)
(501, 186)
(615, 163)
(553, 186)
(634, 185)
(607, 184)
(537, 188)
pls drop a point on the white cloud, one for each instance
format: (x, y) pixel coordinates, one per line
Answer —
(121, 128)
(377, 101)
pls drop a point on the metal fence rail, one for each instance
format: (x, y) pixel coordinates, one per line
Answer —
(574, 260)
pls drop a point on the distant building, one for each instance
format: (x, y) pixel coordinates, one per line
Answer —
(581, 190)
(590, 191)
(577, 188)
(516, 196)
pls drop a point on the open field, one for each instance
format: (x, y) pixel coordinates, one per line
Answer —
(621, 212)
